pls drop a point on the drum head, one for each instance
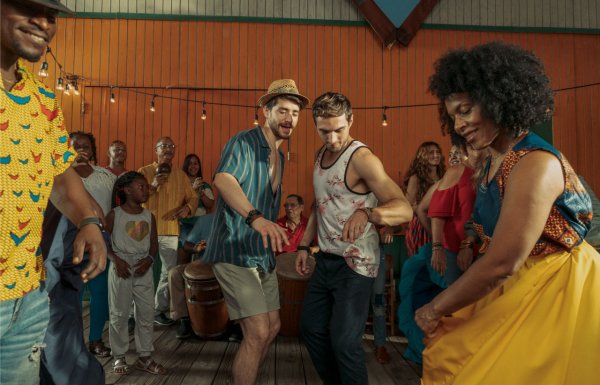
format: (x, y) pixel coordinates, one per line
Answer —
(198, 271)
(286, 266)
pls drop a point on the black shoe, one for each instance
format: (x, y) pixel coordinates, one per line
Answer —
(236, 334)
(131, 325)
(185, 329)
(162, 319)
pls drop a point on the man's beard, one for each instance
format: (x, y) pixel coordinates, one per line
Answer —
(27, 55)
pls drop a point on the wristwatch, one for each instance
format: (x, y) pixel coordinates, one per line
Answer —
(252, 215)
(91, 221)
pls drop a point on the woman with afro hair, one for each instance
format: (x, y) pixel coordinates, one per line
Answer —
(526, 312)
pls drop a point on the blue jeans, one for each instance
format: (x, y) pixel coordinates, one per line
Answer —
(378, 303)
(23, 323)
(334, 312)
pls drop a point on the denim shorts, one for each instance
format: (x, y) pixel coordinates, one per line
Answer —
(23, 324)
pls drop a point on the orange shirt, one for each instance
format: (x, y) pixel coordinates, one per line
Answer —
(176, 192)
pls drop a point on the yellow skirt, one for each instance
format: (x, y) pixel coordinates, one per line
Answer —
(542, 326)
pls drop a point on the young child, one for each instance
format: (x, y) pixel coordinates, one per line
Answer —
(134, 247)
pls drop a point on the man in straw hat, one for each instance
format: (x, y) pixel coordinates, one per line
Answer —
(248, 178)
(35, 155)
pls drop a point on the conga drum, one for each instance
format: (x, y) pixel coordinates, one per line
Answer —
(205, 302)
(292, 287)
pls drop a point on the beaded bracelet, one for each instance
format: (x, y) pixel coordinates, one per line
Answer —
(436, 246)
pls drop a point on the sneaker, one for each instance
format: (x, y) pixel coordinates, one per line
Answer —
(131, 325)
(382, 355)
(185, 329)
(162, 319)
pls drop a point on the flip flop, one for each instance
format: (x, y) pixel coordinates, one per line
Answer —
(150, 366)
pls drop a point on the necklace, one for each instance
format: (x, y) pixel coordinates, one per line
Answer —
(500, 156)
(509, 148)
(7, 83)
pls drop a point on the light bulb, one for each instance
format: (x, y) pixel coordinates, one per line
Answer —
(384, 121)
(152, 106)
(256, 119)
(43, 72)
(203, 115)
(60, 84)
(67, 90)
(112, 97)
(75, 88)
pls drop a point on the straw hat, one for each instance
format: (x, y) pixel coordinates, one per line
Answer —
(282, 87)
(53, 4)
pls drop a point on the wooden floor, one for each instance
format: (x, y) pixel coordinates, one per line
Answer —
(200, 362)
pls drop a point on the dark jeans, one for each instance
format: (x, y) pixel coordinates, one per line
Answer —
(66, 359)
(334, 313)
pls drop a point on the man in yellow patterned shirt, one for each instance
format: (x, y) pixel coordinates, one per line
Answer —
(171, 198)
(35, 155)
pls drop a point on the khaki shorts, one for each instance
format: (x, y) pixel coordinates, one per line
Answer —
(247, 292)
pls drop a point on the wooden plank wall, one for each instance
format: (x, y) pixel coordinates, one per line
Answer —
(581, 14)
(288, 9)
(156, 54)
(518, 13)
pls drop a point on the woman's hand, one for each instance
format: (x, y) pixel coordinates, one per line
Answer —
(386, 235)
(197, 185)
(439, 260)
(427, 319)
(464, 259)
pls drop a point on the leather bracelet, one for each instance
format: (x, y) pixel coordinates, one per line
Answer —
(304, 248)
(436, 246)
(90, 221)
(252, 216)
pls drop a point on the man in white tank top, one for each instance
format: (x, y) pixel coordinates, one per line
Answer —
(353, 193)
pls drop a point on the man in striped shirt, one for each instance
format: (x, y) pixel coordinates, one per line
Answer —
(248, 178)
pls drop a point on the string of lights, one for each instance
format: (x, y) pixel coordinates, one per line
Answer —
(68, 83)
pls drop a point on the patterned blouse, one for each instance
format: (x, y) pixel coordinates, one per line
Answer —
(570, 216)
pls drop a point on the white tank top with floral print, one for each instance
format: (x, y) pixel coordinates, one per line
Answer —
(335, 204)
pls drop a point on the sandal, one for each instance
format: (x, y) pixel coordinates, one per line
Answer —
(98, 349)
(150, 366)
(120, 366)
